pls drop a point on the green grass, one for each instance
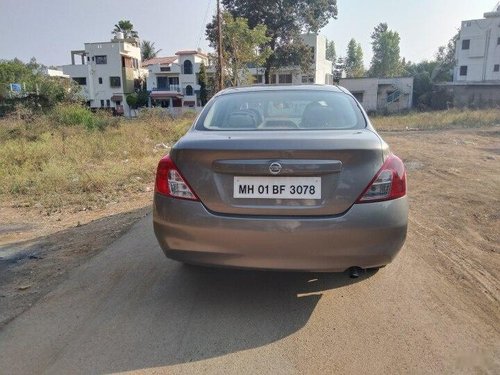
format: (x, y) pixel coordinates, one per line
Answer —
(454, 118)
(56, 166)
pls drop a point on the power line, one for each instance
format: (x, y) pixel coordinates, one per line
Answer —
(209, 2)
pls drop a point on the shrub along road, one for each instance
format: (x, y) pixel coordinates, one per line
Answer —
(434, 310)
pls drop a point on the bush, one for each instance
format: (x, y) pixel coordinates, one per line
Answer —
(131, 100)
(78, 115)
(155, 114)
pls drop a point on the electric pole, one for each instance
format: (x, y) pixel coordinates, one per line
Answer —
(219, 46)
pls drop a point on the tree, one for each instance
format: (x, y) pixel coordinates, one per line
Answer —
(240, 47)
(202, 81)
(285, 21)
(422, 82)
(354, 60)
(427, 73)
(445, 58)
(13, 71)
(39, 92)
(142, 98)
(338, 69)
(148, 50)
(131, 100)
(127, 28)
(331, 54)
(386, 60)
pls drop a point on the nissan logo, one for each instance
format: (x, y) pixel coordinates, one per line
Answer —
(275, 168)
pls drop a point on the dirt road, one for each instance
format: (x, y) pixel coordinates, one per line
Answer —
(434, 310)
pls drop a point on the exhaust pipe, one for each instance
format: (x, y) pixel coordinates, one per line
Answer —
(355, 272)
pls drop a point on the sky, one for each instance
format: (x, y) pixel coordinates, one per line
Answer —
(50, 29)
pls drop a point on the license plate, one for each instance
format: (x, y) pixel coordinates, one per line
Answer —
(277, 187)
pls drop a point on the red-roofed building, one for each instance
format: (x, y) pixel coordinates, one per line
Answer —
(159, 60)
(191, 52)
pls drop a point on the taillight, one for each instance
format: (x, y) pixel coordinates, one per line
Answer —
(389, 182)
(170, 182)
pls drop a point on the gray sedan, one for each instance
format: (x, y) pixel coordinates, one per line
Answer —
(282, 177)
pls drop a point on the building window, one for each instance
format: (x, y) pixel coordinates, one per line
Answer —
(102, 102)
(108, 103)
(101, 59)
(393, 96)
(189, 90)
(463, 70)
(285, 78)
(256, 79)
(307, 79)
(496, 68)
(358, 96)
(466, 44)
(173, 84)
(162, 83)
(188, 67)
(82, 81)
(100, 80)
(498, 41)
(115, 81)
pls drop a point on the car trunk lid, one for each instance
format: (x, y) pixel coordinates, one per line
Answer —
(222, 167)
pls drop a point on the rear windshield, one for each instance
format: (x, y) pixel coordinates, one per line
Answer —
(277, 110)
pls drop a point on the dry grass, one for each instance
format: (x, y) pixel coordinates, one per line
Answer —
(454, 118)
(48, 165)
(53, 167)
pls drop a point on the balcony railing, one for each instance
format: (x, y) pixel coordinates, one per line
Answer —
(168, 88)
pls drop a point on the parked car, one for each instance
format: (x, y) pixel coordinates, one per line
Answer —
(282, 177)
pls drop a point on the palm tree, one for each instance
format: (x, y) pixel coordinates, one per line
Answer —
(127, 28)
(148, 50)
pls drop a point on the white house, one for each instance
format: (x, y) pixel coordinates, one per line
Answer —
(54, 73)
(476, 76)
(381, 94)
(320, 72)
(107, 72)
(172, 81)
(478, 50)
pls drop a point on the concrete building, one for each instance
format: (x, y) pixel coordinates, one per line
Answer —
(173, 81)
(320, 72)
(476, 76)
(478, 50)
(55, 73)
(381, 94)
(107, 72)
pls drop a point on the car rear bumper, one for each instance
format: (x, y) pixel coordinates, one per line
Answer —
(368, 235)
